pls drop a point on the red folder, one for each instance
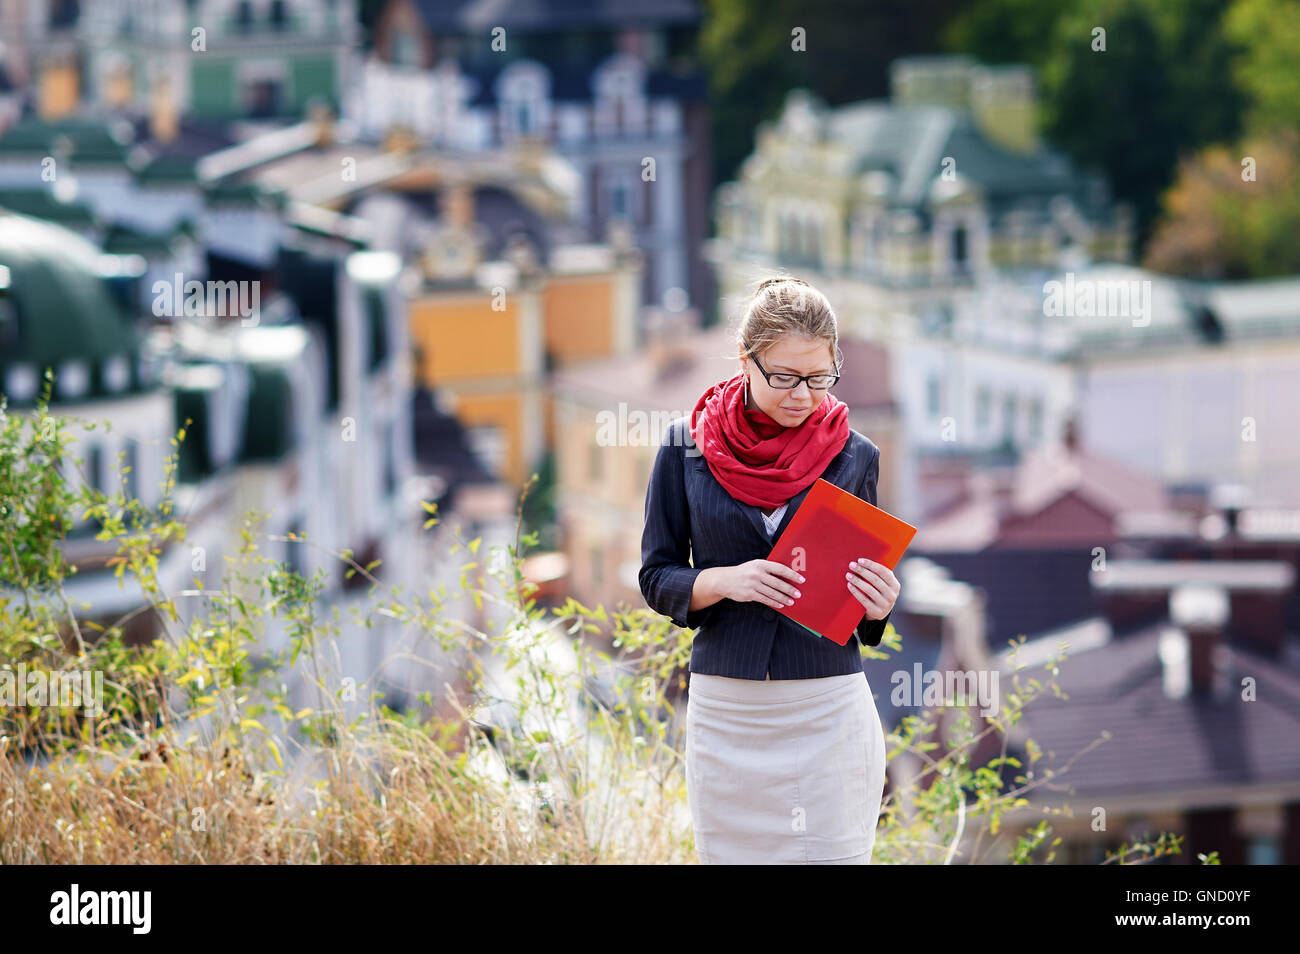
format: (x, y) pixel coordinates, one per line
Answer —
(831, 529)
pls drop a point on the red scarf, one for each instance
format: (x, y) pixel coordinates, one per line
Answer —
(758, 460)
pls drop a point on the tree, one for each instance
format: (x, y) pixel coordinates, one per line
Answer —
(1156, 92)
(1267, 33)
(1232, 212)
(746, 48)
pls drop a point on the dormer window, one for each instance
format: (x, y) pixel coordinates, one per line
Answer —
(620, 105)
(20, 383)
(523, 91)
(960, 259)
(117, 374)
(405, 49)
(73, 379)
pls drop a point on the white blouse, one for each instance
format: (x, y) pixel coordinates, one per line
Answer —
(773, 520)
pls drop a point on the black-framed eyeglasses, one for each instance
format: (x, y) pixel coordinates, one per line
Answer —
(786, 382)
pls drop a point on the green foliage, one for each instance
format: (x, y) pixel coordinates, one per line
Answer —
(1161, 88)
(1219, 225)
(1267, 35)
(1003, 31)
(540, 515)
(745, 46)
(1134, 108)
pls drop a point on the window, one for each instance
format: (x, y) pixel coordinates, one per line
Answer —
(813, 239)
(406, 50)
(377, 321)
(130, 468)
(95, 467)
(262, 97)
(983, 405)
(244, 16)
(1035, 420)
(959, 242)
(278, 19)
(390, 463)
(933, 395)
(1263, 850)
(489, 446)
(294, 556)
(1009, 418)
(618, 200)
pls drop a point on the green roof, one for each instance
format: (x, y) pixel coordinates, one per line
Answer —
(226, 192)
(58, 311)
(167, 169)
(85, 140)
(41, 204)
(124, 240)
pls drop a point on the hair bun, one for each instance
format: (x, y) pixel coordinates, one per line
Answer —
(778, 280)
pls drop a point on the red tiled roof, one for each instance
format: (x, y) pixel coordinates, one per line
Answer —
(1043, 476)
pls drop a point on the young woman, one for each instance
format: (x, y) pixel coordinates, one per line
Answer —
(785, 752)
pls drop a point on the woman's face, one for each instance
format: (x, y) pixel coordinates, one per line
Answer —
(793, 355)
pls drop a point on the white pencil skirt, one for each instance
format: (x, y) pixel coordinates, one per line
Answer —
(784, 771)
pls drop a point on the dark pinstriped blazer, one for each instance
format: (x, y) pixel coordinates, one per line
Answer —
(689, 514)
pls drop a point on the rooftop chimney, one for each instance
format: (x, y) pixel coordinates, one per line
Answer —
(322, 117)
(669, 338)
(118, 82)
(457, 206)
(1200, 613)
(1004, 103)
(1001, 100)
(1229, 499)
(163, 119)
(1070, 436)
(57, 87)
(399, 138)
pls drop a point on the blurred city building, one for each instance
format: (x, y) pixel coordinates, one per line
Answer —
(217, 59)
(613, 88)
(1180, 714)
(298, 407)
(917, 215)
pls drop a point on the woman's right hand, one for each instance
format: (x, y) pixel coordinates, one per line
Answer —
(762, 581)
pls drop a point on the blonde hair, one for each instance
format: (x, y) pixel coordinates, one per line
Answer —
(783, 306)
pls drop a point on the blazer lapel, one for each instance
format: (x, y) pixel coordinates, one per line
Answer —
(754, 515)
(832, 474)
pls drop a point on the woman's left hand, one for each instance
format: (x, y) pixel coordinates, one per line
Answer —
(874, 585)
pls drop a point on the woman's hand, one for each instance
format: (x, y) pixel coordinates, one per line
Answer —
(874, 585)
(762, 581)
